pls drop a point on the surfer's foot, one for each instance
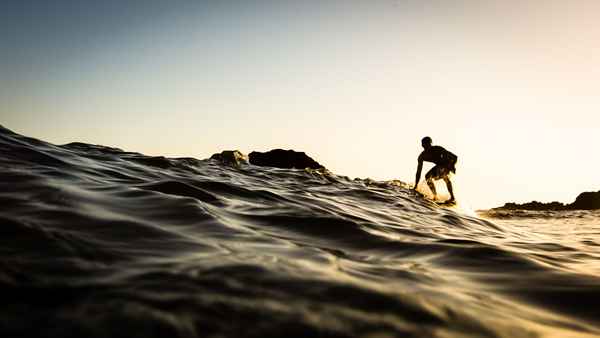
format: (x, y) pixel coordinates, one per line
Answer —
(452, 200)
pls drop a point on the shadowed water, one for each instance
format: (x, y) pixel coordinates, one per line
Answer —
(98, 242)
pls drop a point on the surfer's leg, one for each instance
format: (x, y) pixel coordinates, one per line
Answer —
(429, 177)
(449, 186)
(432, 187)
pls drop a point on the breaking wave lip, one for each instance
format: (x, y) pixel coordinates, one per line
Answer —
(101, 242)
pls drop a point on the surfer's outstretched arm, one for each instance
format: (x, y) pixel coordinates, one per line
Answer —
(419, 169)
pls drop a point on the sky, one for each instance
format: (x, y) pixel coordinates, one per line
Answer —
(511, 87)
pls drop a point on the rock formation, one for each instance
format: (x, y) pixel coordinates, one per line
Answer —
(535, 205)
(585, 201)
(230, 157)
(286, 159)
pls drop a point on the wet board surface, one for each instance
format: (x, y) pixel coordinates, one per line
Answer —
(445, 204)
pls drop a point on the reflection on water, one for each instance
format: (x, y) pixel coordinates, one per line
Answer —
(98, 242)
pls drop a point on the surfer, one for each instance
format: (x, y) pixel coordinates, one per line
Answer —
(445, 162)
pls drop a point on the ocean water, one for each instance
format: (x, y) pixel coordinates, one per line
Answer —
(99, 242)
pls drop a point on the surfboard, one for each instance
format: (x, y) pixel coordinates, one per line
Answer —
(446, 203)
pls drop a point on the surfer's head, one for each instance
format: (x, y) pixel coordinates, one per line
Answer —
(426, 142)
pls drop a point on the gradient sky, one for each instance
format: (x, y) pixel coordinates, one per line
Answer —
(511, 87)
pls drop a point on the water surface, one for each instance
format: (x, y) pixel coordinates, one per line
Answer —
(99, 242)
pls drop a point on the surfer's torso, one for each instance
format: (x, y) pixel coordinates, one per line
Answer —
(438, 155)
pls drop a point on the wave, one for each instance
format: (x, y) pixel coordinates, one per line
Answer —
(100, 242)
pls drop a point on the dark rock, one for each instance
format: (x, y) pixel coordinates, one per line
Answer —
(230, 157)
(286, 159)
(585, 201)
(535, 205)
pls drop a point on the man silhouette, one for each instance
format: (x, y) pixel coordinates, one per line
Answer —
(445, 162)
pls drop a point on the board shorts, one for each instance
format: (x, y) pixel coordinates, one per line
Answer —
(440, 171)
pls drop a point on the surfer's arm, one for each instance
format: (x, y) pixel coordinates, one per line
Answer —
(418, 176)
